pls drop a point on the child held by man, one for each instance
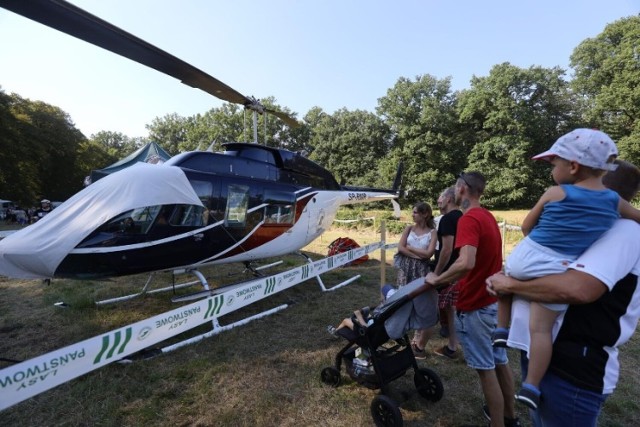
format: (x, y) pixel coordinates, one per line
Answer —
(565, 221)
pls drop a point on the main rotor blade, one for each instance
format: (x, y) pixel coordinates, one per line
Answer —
(284, 117)
(76, 22)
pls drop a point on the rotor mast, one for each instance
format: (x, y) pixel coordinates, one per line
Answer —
(256, 108)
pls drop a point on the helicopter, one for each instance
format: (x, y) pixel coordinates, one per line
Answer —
(246, 203)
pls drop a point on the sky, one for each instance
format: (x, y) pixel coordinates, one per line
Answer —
(331, 54)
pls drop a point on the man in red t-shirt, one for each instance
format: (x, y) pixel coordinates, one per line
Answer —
(480, 256)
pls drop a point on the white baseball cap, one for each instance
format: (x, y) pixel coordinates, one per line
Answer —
(588, 147)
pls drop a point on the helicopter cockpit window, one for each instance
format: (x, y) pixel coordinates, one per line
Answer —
(237, 204)
(125, 223)
(140, 219)
(187, 216)
(280, 207)
(146, 222)
(278, 214)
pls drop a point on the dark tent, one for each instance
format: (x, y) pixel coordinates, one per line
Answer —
(150, 153)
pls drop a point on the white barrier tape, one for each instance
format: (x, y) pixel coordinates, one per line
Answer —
(510, 227)
(501, 224)
(31, 377)
(354, 220)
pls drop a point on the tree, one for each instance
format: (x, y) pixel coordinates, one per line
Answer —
(91, 155)
(426, 136)
(350, 144)
(42, 145)
(516, 113)
(116, 144)
(607, 75)
(18, 170)
(277, 133)
(228, 123)
(216, 126)
(170, 132)
(42, 153)
(304, 133)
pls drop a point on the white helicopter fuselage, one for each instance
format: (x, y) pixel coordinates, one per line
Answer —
(248, 203)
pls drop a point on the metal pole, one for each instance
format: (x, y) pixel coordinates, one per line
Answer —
(504, 239)
(383, 254)
(255, 127)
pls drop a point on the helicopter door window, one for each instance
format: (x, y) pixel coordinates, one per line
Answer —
(237, 204)
(203, 189)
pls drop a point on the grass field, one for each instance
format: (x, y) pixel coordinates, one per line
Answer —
(266, 373)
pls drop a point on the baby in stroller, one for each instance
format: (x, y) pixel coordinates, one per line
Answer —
(378, 349)
(411, 307)
(363, 316)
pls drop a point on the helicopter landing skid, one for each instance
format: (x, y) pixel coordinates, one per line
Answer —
(145, 289)
(255, 271)
(217, 328)
(319, 279)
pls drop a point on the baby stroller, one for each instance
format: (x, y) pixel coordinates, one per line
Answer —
(374, 360)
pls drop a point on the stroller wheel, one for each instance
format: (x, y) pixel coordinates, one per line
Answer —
(385, 412)
(330, 376)
(428, 384)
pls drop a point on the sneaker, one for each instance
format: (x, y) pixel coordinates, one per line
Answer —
(332, 330)
(417, 353)
(500, 336)
(529, 395)
(508, 422)
(446, 352)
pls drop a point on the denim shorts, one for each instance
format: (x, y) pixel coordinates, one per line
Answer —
(474, 329)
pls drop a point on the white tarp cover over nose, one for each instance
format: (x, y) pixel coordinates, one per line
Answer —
(36, 251)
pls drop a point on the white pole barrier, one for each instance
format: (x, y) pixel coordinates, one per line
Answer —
(31, 377)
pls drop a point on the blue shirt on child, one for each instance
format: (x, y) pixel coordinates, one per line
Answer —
(569, 226)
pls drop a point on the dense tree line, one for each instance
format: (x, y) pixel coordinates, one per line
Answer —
(494, 126)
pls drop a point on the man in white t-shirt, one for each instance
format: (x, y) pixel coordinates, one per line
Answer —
(603, 287)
